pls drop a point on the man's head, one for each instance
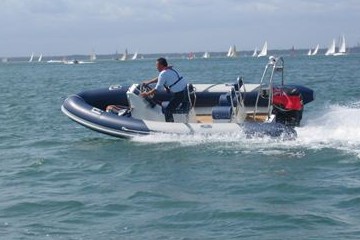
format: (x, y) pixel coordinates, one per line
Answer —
(161, 64)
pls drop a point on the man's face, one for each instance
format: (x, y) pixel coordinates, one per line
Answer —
(159, 67)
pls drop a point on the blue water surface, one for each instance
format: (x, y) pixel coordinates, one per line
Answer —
(59, 180)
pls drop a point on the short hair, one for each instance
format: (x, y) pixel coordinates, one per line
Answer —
(162, 61)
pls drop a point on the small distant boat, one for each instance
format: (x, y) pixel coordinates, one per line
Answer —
(232, 52)
(342, 47)
(313, 53)
(55, 61)
(134, 57)
(191, 56)
(40, 58)
(93, 56)
(255, 53)
(264, 50)
(331, 49)
(309, 53)
(292, 51)
(74, 61)
(206, 55)
(31, 57)
(116, 56)
(125, 56)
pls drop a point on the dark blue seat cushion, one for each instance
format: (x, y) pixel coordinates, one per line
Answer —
(221, 112)
(224, 100)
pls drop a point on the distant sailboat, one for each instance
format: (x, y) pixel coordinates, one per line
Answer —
(206, 55)
(315, 50)
(31, 57)
(116, 56)
(342, 47)
(92, 56)
(255, 53)
(232, 51)
(191, 56)
(264, 50)
(292, 51)
(331, 49)
(310, 53)
(125, 56)
(134, 57)
(40, 57)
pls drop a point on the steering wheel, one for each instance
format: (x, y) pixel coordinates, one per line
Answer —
(145, 88)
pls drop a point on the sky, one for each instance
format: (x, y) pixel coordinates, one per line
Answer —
(66, 27)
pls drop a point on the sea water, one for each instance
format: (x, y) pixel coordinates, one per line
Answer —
(59, 180)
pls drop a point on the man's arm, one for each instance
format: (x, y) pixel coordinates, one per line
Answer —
(152, 91)
(154, 80)
(145, 94)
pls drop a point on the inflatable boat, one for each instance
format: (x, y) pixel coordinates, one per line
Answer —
(263, 109)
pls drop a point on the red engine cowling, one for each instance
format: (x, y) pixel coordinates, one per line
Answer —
(288, 105)
(287, 99)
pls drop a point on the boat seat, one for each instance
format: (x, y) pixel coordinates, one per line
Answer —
(222, 113)
(225, 100)
(225, 109)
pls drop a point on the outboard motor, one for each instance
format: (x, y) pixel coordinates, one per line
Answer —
(287, 105)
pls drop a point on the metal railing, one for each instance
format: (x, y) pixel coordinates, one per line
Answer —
(275, 65)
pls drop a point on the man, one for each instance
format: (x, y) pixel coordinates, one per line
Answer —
(170, 80)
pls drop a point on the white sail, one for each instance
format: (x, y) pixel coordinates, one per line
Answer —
(232, 51)
(316, 50)
(309, 52)
(234, 54)
(331, 49)
(134, 57)
(342, 47)
(92, 56)
(263, 52)
(40, 57)
(206, 55)
(31, 57)
(124, 56)
(255, 53)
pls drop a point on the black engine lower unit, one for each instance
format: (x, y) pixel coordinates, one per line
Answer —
(290, 118)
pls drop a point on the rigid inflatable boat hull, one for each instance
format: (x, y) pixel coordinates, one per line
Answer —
(77, 109)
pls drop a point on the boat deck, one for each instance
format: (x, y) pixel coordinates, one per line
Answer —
(204, 118)
(207, 118)
(257, 118)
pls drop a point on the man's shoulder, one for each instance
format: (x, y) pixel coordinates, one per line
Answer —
(162, 73)
(167, 73)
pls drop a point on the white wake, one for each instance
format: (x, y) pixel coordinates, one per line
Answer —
(334, 126)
